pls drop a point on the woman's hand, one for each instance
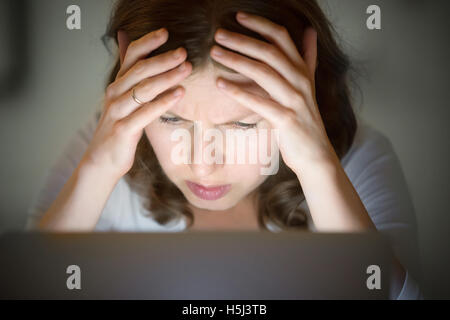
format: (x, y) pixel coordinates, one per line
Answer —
(123, 120)
(290, 81)
(304, 145)
(111, 152)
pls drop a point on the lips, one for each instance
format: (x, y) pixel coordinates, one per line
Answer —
(208, 193)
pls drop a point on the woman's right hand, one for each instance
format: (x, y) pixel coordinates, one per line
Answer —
(113, 146)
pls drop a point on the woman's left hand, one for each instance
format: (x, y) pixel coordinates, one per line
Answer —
(290, 81)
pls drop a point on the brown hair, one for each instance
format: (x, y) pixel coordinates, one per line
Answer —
(192, 24)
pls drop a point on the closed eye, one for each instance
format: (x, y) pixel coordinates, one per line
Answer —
(238, 124)
(170, 120)
(243, 125)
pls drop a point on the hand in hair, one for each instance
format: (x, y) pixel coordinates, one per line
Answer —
(289, 78)
(292, 108)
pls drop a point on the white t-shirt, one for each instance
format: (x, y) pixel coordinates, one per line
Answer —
(371, 165)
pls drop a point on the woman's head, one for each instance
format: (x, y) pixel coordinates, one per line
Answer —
(203, 113)
(192, 25)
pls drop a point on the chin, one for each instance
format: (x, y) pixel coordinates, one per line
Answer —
(213, 205)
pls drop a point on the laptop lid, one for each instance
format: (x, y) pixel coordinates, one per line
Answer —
(195, 265)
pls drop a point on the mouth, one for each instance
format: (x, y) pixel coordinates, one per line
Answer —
(208, 193)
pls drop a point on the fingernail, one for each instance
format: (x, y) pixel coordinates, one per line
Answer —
(160, 32)
(242, 15)
(221, 84)
(177, 53)
(221, 35)
(182, 67)
(177, 92)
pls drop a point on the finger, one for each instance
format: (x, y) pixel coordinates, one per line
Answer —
(266, 108)
(142, 117)
(147, 90)
(310, 50)
(273, 32)
(265, 52)
(142, 47)
(148, 68)
(261, 73)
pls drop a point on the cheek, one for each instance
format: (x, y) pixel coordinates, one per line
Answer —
(248, 175)
(245, 177)
(267, 137)
(270, 157)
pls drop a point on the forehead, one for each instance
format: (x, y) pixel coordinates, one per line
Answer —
(204, 101)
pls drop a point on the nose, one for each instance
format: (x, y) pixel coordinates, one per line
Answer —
(202, 170)
(204, 150)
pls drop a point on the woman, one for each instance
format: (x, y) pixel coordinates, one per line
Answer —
(189, 65)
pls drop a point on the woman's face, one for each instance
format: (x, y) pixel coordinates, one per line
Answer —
(193, 164)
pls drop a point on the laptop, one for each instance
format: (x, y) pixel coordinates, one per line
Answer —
(195, 265)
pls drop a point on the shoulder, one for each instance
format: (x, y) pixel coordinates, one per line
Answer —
(60, 171)
(370, 148)
(375, 171)
(125, 211)
(78, 143)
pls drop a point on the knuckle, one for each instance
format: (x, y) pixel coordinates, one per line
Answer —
(298, 98)
(113, 111)
(281, 31)
(288, 117)
(309, 85)
(306, 85)
(265, 70)
(307, 88)
(110, 90)
(139, 67)
(148, 87)
(271, 51)
(119, 128)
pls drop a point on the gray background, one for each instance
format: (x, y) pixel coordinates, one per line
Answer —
(404, 96)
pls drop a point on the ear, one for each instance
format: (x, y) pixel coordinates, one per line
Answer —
(310, 49)
(124, 42)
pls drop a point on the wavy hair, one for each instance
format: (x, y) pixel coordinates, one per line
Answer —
(192, 24)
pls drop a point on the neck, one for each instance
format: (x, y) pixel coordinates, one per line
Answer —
(243, 216)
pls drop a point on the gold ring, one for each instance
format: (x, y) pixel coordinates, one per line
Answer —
(133, 94)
